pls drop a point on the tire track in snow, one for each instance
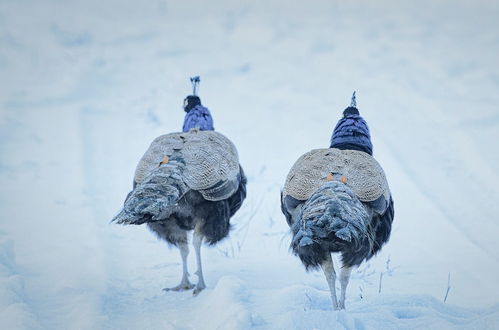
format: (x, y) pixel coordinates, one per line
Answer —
(425, 191)
(94, 167)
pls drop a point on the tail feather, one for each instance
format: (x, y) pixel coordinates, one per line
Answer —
(332, 218)
(156, 197)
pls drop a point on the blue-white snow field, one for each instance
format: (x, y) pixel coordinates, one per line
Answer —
(86, 86)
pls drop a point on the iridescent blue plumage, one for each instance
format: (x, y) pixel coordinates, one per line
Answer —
(198, 117)
(351, 131)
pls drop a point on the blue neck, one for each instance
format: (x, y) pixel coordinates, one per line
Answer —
(198, 117)
(352, 133)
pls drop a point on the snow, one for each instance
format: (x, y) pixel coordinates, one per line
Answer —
(87, 85)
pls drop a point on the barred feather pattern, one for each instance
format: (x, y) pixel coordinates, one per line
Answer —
(211, 158)
(156, 197)
(363, 173)
(331, 220)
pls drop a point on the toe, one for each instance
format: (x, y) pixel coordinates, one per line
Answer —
(181, 287)
(197, 290)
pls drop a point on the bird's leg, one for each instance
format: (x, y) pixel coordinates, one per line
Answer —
(196, 241)
(328, 268)
(185, 284)
(344, 278)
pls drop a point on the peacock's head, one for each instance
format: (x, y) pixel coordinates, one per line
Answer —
(197, 116)
(190, 102)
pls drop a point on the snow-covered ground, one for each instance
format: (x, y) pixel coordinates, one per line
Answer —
(85, 87)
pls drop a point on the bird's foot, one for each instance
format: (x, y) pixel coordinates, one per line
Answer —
(200, 287)
(337, 306)
(183, 286)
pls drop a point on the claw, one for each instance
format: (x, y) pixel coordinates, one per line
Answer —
(198, 289)
(181, 287)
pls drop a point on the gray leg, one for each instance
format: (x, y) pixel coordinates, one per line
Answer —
(196, 241)
(328, 268)
(344, 278)
(184, 283)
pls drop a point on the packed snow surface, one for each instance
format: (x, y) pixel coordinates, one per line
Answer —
(87, 85)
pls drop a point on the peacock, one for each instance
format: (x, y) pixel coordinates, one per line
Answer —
(337, 200)
(187, 181)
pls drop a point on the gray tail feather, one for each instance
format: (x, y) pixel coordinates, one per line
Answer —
(332, 220)
(156, 197)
